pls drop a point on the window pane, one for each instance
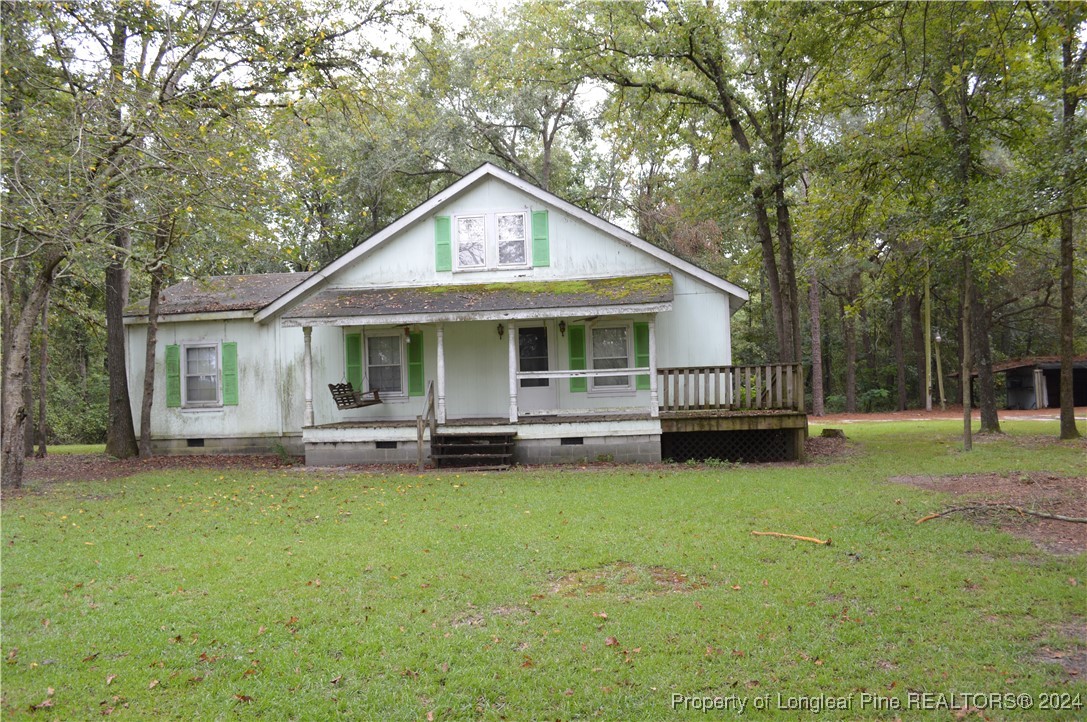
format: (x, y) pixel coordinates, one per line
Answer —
(470, 241)
(386, 378)
(510, 252)
(384, 350)
(201, 388)
(610, 343)
(200, 360)
(511, 227)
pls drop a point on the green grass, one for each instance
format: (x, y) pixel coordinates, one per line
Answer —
(288, 595)
(77, 449)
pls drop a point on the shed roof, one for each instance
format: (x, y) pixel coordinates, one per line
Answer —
(221, 293)
(484, 300)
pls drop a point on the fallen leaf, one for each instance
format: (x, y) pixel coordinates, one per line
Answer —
(262, 630)
(336, 679)
(528, 662)
(611, 642)
(154, 683)
(735, 587)
(430, 716)
(737, 653)
(601, 615)
(88, 658)
(569, 693)
(243, 698)
(110, 678)
(42, 705)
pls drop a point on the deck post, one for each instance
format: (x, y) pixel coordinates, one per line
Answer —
(307, 374)
(441, 373)
(654, 402)
(512, 331)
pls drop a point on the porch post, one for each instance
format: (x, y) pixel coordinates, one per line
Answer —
(512, 331)
(441, 373)
(307, 375)
(654, 403)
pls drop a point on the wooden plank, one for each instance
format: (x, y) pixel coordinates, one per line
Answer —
(778, 384)
(800, 390)
(747, 386)
(706, 389)
(717, 387)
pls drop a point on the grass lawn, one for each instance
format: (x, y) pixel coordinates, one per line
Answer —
(542, 594)
(77, 449)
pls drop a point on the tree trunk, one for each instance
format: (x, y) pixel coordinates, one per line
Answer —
(43, 379)
(966, 371)
(120, 434)
(16, 360)
(28, 402)
(817, 408)
(983, 361)
(1071, 82)
(897, 313)
(917, 327)
(849, 334)
(162, 238)
(790, 294)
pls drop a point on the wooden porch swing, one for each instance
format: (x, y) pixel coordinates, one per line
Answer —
(346, 397)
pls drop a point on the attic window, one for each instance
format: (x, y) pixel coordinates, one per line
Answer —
(491, 240)
(471, 242)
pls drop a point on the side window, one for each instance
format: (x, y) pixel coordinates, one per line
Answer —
(200, 375)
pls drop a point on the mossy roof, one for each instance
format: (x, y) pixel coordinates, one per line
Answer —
(487, 297)
(221, 293)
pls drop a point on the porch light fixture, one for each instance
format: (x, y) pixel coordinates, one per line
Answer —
(501, 330)
(407, 334)
(562, 328)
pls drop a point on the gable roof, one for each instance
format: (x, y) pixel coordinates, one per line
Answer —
(221, 293)
(483, 301)
(489, 170)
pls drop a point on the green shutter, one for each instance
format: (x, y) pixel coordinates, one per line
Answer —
(230, 373)
(443, 243)
(575, 337)
(541, 245)
(415, 364)
(173, 376)
(641, 354)
(352, 359)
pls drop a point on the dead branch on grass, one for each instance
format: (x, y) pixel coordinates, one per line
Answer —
(825, 542)
(1008, 507)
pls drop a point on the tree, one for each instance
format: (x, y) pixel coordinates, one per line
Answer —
(107, 87)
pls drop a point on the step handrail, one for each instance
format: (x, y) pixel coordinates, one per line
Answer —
(427, 418)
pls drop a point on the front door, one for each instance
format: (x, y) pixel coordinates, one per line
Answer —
(534, 354)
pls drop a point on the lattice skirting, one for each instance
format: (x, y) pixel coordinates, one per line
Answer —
(770, 445)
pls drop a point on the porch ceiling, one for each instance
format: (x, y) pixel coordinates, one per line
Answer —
(485, 301)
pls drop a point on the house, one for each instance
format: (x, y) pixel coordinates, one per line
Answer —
(1035, 382)
(496, 320)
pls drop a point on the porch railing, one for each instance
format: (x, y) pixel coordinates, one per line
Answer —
(427, 418)
(777, 387)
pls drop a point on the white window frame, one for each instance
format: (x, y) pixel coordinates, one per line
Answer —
(456, 242)
(525, 221)
(218, 402)
(614, 389)
(392, 333)
(491, 255)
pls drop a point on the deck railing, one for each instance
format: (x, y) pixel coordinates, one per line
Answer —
(777, 387)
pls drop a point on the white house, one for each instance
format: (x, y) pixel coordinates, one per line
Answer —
(513, 323)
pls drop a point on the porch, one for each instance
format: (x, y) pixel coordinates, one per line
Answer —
(752, 413)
